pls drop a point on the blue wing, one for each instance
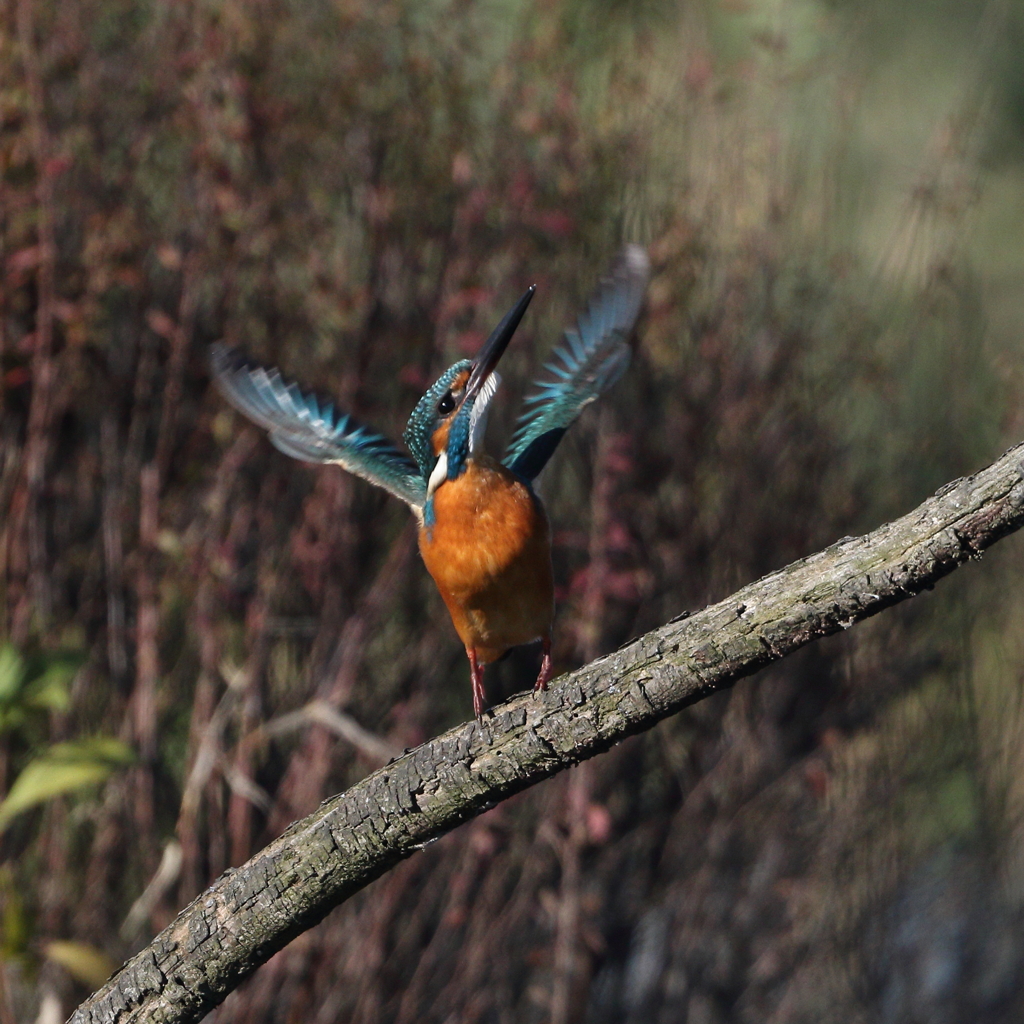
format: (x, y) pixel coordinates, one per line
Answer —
(590, 360)
(304, 428)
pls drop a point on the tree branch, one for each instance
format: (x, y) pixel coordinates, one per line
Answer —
(253, 911)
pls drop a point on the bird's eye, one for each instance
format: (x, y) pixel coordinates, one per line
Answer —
(446, 404)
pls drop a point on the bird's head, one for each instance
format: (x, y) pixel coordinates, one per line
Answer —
(449, 421)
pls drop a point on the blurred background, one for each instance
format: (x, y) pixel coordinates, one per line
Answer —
(200, 639)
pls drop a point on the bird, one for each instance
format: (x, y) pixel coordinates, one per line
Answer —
(483, 533)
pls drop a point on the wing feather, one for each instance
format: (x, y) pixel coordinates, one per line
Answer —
(592, 357)
(302, 427)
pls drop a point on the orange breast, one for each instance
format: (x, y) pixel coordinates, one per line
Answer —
(490, 555)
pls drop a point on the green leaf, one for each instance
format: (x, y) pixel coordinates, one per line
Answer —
(52, 688)
(97, 748)
(17, 930)
(12, 672)
(64, 768)
(83, 962)
(11, 718)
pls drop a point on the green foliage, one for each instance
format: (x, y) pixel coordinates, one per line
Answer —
(64, 768)
(83, 962)
(15, 920)
(26, 689)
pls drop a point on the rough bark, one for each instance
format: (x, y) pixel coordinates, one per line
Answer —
(254, 910)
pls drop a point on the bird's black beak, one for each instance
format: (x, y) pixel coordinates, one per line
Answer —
(496, 344)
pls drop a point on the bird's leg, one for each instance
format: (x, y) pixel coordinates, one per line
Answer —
(546, 671)
(476, 673)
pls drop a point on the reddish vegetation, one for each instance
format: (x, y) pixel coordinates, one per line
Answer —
(356, 191)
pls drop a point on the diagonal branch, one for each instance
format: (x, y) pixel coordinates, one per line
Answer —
(251, 912)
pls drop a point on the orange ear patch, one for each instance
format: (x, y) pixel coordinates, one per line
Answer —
(439, 439)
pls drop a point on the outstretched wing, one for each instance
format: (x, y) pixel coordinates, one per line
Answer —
(304, 428)
(590, 360)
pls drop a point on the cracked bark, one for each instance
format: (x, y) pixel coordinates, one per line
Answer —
(251, 912)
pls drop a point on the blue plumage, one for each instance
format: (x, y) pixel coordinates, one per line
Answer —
(458, 443)
(424, 417)
(299, 426)
(590, 360)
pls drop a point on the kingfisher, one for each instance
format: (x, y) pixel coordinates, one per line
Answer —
(483, 533)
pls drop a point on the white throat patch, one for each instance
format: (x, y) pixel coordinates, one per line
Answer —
(438, 476)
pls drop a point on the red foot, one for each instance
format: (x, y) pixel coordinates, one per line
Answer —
(546, 668)
(476, 674)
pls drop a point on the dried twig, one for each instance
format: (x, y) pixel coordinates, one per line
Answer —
(307, 773)
(570, 844)
(203, 704)
(30, 527)
(180, 338)
(113, 547)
